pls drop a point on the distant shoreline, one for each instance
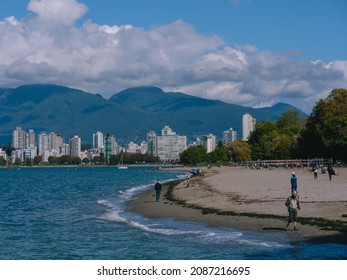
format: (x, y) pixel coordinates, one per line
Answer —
(253, 200)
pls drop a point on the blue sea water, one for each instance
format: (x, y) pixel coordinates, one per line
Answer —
(80, 213)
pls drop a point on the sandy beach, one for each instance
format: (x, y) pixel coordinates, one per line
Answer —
(253, 199)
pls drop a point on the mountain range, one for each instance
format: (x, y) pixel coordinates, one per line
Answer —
(128, 114)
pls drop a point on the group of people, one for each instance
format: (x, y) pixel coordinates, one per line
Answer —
(329, 169)
(292, 202)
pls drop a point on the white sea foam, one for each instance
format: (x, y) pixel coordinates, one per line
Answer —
(261, 243)
(114, 212)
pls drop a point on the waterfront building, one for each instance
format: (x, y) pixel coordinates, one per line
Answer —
(55, 141)
(152, 143)
(248, 125)
(75, 146)
(108, 147)
(229, 136)
(18, 138)
(170, 145)
(98, 140)
(30, 140)
(209, 142)
(3, 153)
(133, 148)
(43, 143)
(64, 150)
(22, 139)
(29, 153)
(143, 147)
(17, 154)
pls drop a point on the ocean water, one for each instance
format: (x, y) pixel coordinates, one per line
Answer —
(80, 213)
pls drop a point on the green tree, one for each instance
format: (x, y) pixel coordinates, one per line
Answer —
(240, 151)
(37, 160)
(65, 159)
(96, 160)
(113, 160)
(290, 123)
(76, 160)
(220, 155)
(18, 161)
(29, 161)
(52, 160)
(277, 140)
(325, 134)
(261, 140)
(2, 161)
(193, 155)
(281, 147)
(85, 161)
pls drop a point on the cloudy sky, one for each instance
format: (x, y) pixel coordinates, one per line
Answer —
(248, 52)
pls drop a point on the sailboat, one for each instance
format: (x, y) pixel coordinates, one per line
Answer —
(121, 165)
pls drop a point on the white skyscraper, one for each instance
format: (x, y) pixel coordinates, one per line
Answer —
(248, 125)
(209, 142)
(229, 136)
(170, 145)
(30, 139)
(18, 138)
(98, 140)
(22, 139)
(43, 143)
(75, 146)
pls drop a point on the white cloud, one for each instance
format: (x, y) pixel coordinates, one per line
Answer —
(48, 46)
(61, 11)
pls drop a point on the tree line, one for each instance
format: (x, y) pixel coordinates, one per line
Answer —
(322, 135)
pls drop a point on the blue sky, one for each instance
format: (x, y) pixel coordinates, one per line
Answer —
(247, 52)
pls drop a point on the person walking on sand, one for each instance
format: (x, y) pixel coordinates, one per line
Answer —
(293, 205)
(330, 171)
(157, 188)
(294, 182)
(315, 173)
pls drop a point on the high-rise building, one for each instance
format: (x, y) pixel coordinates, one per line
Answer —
(18, 138)
(55, 141)
(22, 139)
(143, 146)
(43, 143)
(229, 136)
(75, 146)
(30, 139)
(209, 142)
(248, 125)
(170, 145)
(108, 147)
(98, 140)
(152, 143)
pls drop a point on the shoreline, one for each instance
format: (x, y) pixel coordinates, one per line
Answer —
(253, 200)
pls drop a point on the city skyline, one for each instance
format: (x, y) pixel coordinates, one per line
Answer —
(167, 146)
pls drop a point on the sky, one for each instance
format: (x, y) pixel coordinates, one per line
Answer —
(248, 52)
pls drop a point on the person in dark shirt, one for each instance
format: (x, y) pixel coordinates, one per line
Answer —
(157, 188)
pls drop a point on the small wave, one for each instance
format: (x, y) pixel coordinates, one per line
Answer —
(251, 242)
(113, 216)
(104, 203)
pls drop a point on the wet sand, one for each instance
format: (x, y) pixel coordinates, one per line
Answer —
(250, 199)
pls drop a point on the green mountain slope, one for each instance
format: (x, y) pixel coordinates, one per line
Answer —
(129, 114)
